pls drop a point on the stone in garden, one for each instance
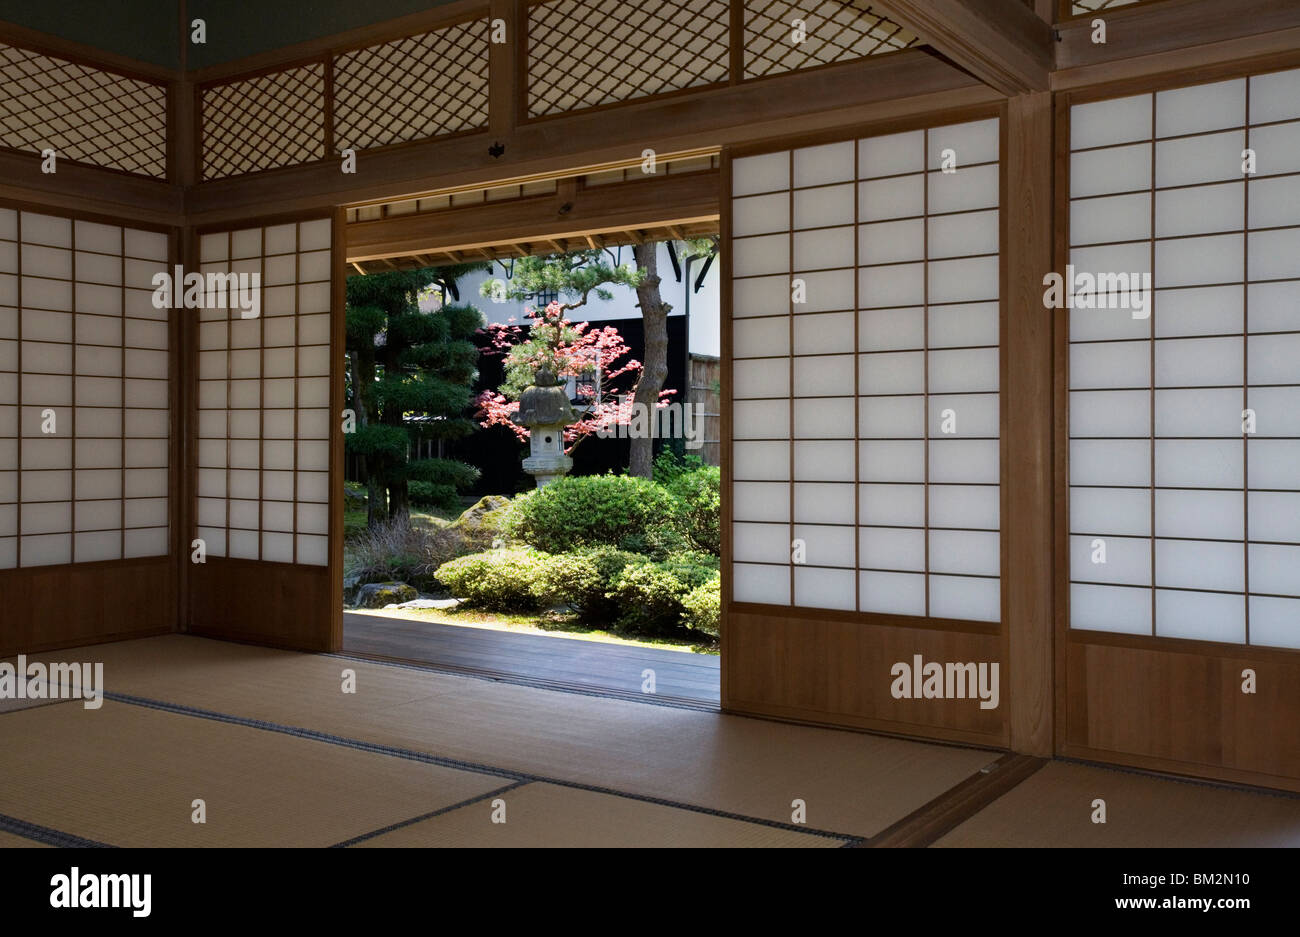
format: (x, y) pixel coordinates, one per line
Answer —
(380, 594)
(428, 603)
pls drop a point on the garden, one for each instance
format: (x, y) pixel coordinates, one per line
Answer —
(612, 554)
(629, 556)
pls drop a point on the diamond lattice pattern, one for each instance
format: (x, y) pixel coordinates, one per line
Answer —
(413, 88)
(583, 53)
(84, 114)
(265, 122)
(830, 31)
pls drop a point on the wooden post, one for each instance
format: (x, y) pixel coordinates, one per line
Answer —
(1027, 440)
(504, 73)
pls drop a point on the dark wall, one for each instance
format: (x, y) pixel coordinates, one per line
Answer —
(149, 30)
(237, 28)
(498, 452)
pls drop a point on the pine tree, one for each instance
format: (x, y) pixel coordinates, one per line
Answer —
(408, 363)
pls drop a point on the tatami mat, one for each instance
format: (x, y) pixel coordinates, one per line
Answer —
(127, 776)
(10, 841)
(1054, 807)
(18, 705)
(851, 783)
(273, 685)
(546, 815)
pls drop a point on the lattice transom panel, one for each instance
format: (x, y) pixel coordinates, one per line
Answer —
(782, 36)
(583, 53)
(264, 122)
(82, 113)
(413, 88)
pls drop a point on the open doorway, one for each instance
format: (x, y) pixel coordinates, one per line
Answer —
(532, 481)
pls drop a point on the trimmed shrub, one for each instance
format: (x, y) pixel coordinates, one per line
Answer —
(497, 580)
(598, 510)
(669, 466)
(649, 599)
(703, 606)
(699, 493)
(582, 580)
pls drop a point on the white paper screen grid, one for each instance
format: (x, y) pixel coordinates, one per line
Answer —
(866, 412)
(263, 398)
(84, 392)
(1197, 510)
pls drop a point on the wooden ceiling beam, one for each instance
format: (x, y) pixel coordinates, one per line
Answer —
(91, 189)
(682, 200)
(885, 87)
(1173, 35)
(1003, 43)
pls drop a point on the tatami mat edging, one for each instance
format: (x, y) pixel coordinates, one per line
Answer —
(441, 761)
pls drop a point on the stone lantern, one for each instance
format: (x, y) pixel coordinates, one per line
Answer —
(545, 409)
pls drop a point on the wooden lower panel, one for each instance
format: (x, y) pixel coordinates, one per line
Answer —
(49, 607)
(810, 669)
(276, 604)
(1184, 711)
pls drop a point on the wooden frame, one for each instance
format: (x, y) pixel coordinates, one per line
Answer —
(814, 643)
(1153, 44)
(261, 601)
(105, 600)
(1114, 690)
(326, 53)
(77, 54)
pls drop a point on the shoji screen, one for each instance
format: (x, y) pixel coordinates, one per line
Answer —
(263, 399)
(1185, 424)
(84, 392)
(865, 342)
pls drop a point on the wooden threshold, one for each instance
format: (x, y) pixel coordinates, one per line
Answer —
(955, 806)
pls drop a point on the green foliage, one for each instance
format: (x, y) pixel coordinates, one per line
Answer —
(406, 363)
(379, 442)
(429, 495)
(699, 495)
(435, 482)
(497, 580)
(703, 606)
(573, 277)
(670, 466)
(595, 510)
(582, 580)
(649, 598)
(697, 488)
(691, 567)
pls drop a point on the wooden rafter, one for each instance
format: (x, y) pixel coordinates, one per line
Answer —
(672, 204)
(1002, 42)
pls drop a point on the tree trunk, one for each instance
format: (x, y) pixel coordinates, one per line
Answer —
(654, 371)
(399, 501)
